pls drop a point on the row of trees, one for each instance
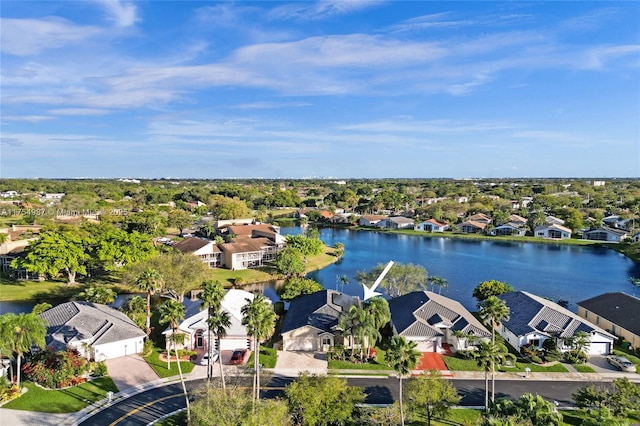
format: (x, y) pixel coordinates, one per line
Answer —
(72, 250)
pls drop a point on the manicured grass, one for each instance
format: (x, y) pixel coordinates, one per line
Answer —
(458, 364)
(379, 363)
(160, 367)
(582, 368)
(535, 368)
(268, 357)
(64, 400)
(461, 416)
(578, 417)
(34, 290)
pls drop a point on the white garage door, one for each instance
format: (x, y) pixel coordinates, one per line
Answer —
(232, 344)
(300, 344)
(425, 346)
(598, 348)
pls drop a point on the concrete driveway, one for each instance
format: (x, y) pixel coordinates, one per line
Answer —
(291, 363)
(601, 365)
(131, 370)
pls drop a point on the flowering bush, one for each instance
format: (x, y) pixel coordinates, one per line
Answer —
(56, 369)
(8, 391)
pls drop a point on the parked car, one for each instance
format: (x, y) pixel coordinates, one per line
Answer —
(238, 356)
(621, 363)
(205, 358)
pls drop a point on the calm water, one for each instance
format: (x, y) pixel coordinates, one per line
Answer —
(558, 272)
(554, 271)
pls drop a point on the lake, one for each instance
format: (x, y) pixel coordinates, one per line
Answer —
(572, 273)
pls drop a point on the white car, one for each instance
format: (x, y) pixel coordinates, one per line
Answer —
(205, 358)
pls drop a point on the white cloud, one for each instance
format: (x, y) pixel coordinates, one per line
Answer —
(123, 14)
(79, 111)
(24, 37)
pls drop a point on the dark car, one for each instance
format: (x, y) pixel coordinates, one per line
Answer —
(238, 356)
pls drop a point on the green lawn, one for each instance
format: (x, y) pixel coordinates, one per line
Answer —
(577, 417)
(160, 367)
(64, 400)
(268, 357)
(457, 364)
(582, 368)
(175, 420)
(379, 363)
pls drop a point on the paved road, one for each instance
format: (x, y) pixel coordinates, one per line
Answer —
(147, 406)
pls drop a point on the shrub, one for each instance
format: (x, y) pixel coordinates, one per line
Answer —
(575, 357)
(100, 369)
(8, 391)
(56, 369)
(147, 348)
(466, 353)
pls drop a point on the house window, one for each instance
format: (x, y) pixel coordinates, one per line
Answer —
(535, 342)
(326, 341)
(597, 320)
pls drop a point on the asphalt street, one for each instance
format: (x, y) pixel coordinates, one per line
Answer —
(143, 408)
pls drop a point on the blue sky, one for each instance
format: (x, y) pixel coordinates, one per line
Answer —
(344, 89)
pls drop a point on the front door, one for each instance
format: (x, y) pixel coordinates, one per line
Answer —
(199, 339)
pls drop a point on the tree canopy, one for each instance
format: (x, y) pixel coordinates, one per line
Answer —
(400, 279)
(489, 288)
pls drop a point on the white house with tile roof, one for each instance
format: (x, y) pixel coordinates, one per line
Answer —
(196, 331)
(533, 319)
(432, 320)
(97, 331)
(553, 231)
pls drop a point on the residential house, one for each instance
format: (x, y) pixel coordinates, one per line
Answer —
(341, 218)
(431, 225)
(51, 196)
(248, 252)
(311, 323)
(9, 194)
(206, 250)
(518, 220)
(433, 321)
(554, 231)
(195, 330)
(616, 312)
(472, 227)
(612, 235)
(510, 228)
(97, 331)
(370, 219)
(19, 237)
(533, 319)
(480, 217)
(396, 222)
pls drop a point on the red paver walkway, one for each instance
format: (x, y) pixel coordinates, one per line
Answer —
(431, 361)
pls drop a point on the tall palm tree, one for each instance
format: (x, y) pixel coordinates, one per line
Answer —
(402, 357)
(260, 321)
(219, 321)
(377, 309)
(25, 330)
(172, 312)
(487, 356)
(438, 281)
(6, 338)
(494, 310)
(149, 281)
(359, 324)
(211, 296)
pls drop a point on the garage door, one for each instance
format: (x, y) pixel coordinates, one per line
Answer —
(425, 346)
(231, 344)
(299, 344)
(598, 348)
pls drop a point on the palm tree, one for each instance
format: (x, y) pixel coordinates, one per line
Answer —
(211, 296)
(260, 320)
(494, 310)
(149, 281)
(24, 330)
(6, 338)
(172, 312)
(379, 314)
(402, 357)
(219, 321)
(579, 341)
(357, 318)
(487, 356)
(438, 281)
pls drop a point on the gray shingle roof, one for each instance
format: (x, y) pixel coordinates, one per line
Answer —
(91, 322)
(418, 313)
(530, 313)
(321, 310)
(619, 308)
